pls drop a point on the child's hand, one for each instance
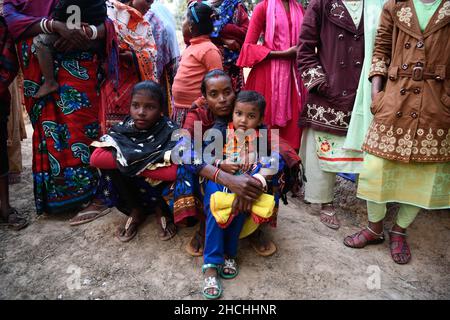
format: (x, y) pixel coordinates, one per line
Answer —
(230, 168)
(246, 167)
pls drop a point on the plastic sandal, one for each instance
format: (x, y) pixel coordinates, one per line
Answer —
(212, 282)
(399, 246)
(353, 241)
(229, 264)
(329, 214)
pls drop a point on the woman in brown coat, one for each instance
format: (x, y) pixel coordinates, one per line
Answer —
(408, 142)
(330, 58)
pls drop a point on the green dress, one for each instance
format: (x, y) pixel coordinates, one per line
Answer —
(361, 116)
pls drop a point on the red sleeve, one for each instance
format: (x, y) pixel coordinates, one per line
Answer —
(251, 52)
(162, 174)
(103, 159)
(237, 31)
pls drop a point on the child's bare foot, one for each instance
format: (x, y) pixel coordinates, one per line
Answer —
(48, 87)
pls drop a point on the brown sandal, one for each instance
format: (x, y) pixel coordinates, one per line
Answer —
(15, 221)
(324, 214)
(129, 231)
(191, 250)
(166, 232)
(399, 247)
(363, 238)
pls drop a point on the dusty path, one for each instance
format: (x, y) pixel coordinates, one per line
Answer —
(44, 260)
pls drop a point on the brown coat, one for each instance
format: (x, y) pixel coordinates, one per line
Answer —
(330, 55)
(412, 115)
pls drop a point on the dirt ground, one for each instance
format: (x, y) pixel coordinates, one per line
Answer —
(51, 260)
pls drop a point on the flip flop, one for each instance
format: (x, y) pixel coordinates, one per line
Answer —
(88, 216)
(329, 214)
(121, 235)
(168, 234)
(265, 253)
(191, 250)
(15, 221)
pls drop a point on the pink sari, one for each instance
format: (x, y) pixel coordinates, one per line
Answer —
(277, 22)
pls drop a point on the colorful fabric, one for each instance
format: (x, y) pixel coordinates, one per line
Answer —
(424, 185)
(221, 204)
(361, 116)
(254, 55)
(319, 185)
(333, 157)
(225, 14)
(122, 192)
(21, 14)
(278, 22)
(65, 124)
(135, 150)
(218, 241)
(135, 34)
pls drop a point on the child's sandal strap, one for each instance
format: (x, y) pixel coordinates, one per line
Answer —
(210, 265)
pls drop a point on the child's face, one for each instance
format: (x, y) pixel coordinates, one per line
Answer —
(144, 110)
(185, 27)
(142, 5)
(246, 116)
(220, 96)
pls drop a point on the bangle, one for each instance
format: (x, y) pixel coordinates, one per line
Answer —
(216, 175)
(262, 180)
(217, 163)
(94, 32)
(44, 26)
(51, 26)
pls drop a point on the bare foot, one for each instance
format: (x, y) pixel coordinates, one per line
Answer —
(48, 87)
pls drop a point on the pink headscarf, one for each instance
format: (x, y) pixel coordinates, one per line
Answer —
(278, 37)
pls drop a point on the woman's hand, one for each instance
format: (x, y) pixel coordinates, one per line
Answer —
(71, 39)
(244, 186)
(377, 85)
(285, 54)
(231, 44)
(291, 52)
(242, 205)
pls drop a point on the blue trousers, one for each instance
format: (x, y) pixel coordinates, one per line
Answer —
(220, 242)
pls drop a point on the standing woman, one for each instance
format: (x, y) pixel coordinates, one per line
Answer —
(197, 60)
(274, 73)
(137, 57)
(330, 57)
(408, 142)
(65, 122)
(230, 28)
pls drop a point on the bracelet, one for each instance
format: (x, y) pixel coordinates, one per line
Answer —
(43, 25)
(216, 175)
(51, 26)
(217, 163)
(262, 180)
(94, 32)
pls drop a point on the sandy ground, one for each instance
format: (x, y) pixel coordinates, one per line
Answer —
(51, 260)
